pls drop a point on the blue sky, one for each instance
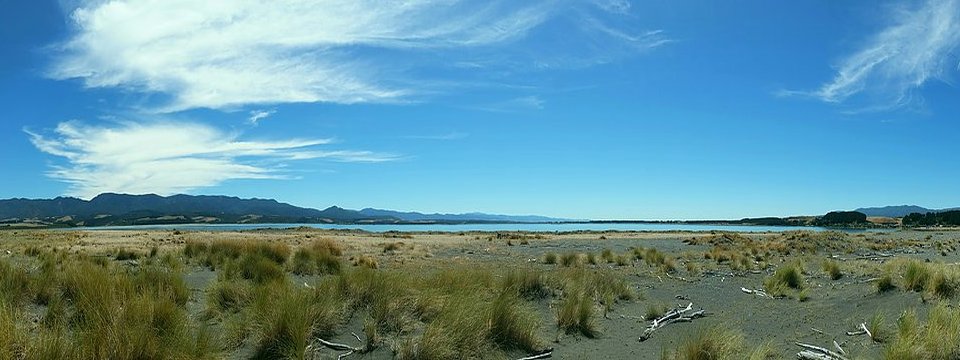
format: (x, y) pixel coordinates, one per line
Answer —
(583, 109)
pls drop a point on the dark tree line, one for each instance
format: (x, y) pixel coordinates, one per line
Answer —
(946, 218)
(835, 218)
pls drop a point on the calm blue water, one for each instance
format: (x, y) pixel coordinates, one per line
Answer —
(481, 227)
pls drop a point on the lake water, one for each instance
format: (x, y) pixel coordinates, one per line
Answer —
(482, 227)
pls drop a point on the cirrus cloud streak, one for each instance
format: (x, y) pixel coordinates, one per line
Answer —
(920, 44)
(227, 54)
(172, 157)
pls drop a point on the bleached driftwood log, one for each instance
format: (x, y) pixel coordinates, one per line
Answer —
(814, 352)
(540, 355)
(810, 355)
(757, 292)
(680, 314)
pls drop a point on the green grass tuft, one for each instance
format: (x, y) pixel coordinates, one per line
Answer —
(832, 269)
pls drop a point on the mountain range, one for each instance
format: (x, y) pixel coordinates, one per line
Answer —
(900, 210)
(123, 209)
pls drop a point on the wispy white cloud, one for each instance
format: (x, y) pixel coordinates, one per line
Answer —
(224, 53)
(920, 44)
(172, 157)
(518, 104)
(257, 115)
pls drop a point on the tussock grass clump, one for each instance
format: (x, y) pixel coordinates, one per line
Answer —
(916, 275)
(610, 289)
(366, 261)
(550, 258)
(528, 284)
(512, 324)
(653, 257)
(14, 284)
(32, 250)
(392, 247)
(458, 332)
(715, 343)
(885, 283)
(786, 280)
(938, 339)
(256, 268)
(591, 259)
(158, 282)
(464, 319)
(318, 257)
(943, 283)
(654, 310)
(10, 334)
(607, 256)
(277, 252)
(576, 314)
(937, 279)
(124, 254)
(832, 269)
(194, 248)
(571, 260)
(215, 254)
(123, 315)
(878, 327)
(228, 295)
(285, 323)
(386, 296)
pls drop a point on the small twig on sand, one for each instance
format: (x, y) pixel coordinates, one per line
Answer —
(840, 349)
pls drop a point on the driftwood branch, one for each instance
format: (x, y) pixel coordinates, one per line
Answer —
(861, 329)
(341, 347)
(810, 355)
(863, 326)
(540, 355)
(757, 292)
(680, 314)
(814, 352)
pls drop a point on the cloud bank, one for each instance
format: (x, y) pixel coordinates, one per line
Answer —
(920, 44)
(224, 54)
(169, 158)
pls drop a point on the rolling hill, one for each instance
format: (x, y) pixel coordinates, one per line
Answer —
(123, 209)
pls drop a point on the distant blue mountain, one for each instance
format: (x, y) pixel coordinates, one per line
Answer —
(124, 209)
(900, 210)
(475, 216)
